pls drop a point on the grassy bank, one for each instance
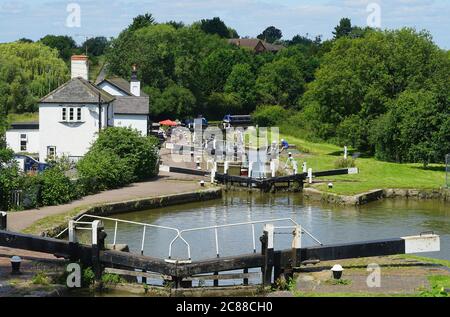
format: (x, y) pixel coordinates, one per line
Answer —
(373, 174)
(23, 117)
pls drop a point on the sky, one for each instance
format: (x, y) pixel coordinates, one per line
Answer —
(35, 18)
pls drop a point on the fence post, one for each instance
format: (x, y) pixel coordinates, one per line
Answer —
(296, 246)
(310, 175)
(268, 253)
(3, 220)
(98, 244)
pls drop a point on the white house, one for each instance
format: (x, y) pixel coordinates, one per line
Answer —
(71, 116)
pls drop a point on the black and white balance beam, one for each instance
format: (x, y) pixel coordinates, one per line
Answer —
(405, 245)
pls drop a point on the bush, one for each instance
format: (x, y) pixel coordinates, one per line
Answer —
(57, 189)
(9, 177)
(32, 191)
(101, 170)
(140, 153)
(345, 163)
(269, 116)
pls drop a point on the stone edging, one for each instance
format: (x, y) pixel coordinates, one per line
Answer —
(374, 195)
(109, 209)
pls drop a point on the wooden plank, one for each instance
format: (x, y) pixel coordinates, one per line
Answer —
(231, 276)
(34, 243)
(134, 261)
(220, 265)
(138, 274)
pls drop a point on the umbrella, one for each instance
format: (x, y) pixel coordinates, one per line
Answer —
(169, 123)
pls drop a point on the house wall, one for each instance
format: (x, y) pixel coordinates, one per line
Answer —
(135, 121)
(13, 140)
(111, 89)
(70, 139)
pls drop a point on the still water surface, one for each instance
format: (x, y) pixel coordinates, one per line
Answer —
(330, 224)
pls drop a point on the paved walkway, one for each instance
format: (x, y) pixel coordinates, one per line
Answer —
(168, 183)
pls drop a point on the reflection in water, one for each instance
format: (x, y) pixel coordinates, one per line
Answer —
(331, 224)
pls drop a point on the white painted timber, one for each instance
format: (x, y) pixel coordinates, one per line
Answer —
(134, 121)
(422, 243)
(13, 139)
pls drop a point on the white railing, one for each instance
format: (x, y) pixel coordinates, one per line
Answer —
(179, 233)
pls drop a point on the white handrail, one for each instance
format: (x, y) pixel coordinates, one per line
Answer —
(179, 233)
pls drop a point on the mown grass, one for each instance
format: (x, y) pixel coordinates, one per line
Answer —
(23, 117)
(373, 174)
(51, 222)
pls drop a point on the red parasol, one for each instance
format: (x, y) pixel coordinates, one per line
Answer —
(169, 123)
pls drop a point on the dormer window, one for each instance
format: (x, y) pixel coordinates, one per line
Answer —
(71, 114)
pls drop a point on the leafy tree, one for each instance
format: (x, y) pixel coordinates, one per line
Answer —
(269, 116)
(141, 21)
(215, 26)
(417, 130)
(242, 82)
(343, 29)
(220, 104)
(271, 34)
(280, 82)
(25, 40)
(65, 45)
(174, 102)
(28, 71)
(95, 46)
(176, 25)
(361, 80)
(218, 66)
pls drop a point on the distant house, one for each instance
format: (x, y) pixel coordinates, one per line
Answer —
(71, 116)
(256, 45)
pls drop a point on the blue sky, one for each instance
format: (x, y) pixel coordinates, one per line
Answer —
(36, 18)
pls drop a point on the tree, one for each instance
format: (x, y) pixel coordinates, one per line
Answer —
(418, 129)
(241, 82)
(95, 46)
(215, 26)
(269, 116)
(176, 25)
(25, 40)
(28, 71)
(343, 29)
(271, 34)
(174, 102)
(218, 66)
(141, 21)
(280, 82)
(65, 45)
(361, 81)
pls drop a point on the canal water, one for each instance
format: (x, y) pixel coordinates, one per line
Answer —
(390, 218)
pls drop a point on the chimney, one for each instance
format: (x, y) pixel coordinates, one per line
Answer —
(135, 84)
(80, 66)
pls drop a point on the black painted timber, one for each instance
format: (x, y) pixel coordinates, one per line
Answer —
(59, 248)
(280, 261)
(188, 171)
(354, 250)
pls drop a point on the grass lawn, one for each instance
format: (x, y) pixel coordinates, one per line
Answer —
(373, 174)
(23, 117)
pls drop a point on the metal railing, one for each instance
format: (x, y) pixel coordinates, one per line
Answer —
(144, 225)
(179, 233)
(249, 223)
